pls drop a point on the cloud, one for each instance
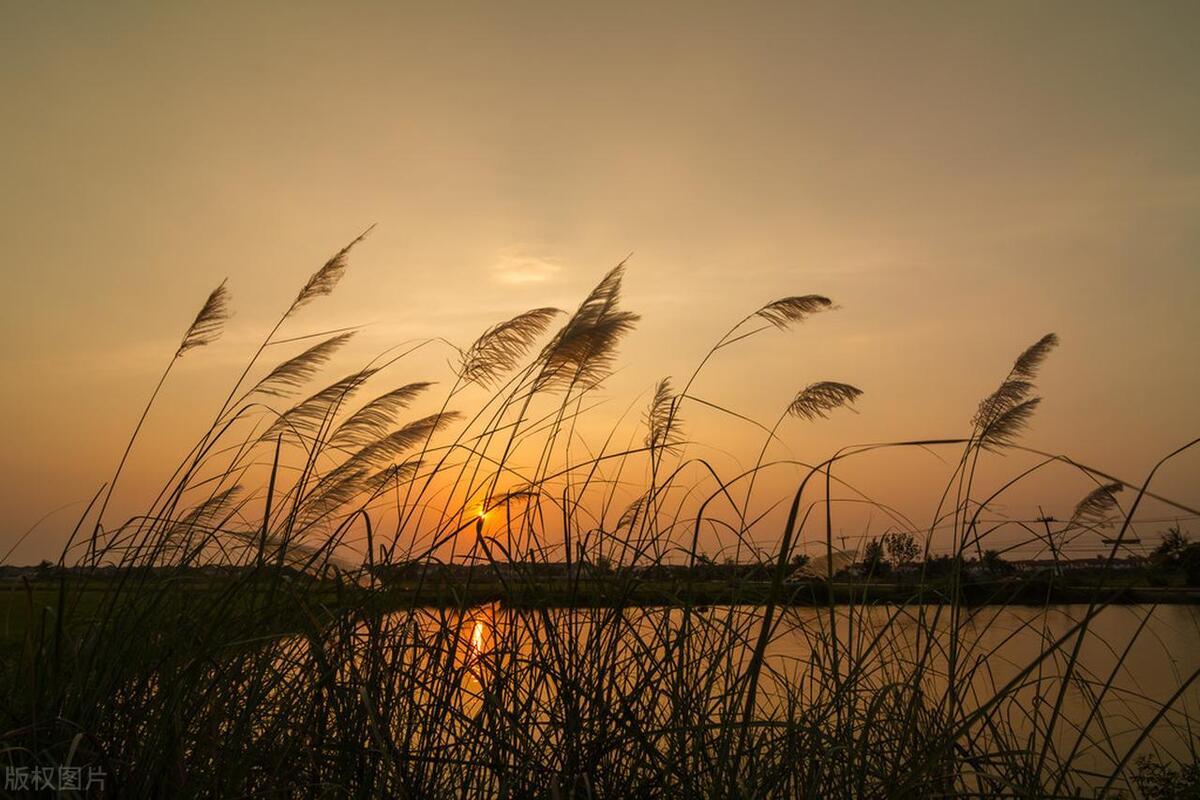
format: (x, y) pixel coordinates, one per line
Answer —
(519, 268)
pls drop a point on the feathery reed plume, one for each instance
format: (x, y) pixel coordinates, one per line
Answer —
(293, 373)
(791, 310)
(818, 399)
(661, 421)
(208, 323)
(634, 510)
(1097, 505)
(397, 472)
(203, 514)
(392, 473)
(1028, 363)
(373, 420)
(1009, 394)
(326, 278)
(503, 345)
(522, 495)
(205, 328)
(341, 487)
(307, 416)
(1005, 412)
(584, 349)
(1004, 428)
(394, 444)
(206, 518)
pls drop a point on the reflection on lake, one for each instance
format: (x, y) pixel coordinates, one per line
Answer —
(1004, 689)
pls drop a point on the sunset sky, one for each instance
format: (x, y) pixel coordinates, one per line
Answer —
(960, 179)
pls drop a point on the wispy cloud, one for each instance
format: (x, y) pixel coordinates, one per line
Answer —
(519, 266)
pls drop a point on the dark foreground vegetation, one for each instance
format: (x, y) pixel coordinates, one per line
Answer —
(304, 610)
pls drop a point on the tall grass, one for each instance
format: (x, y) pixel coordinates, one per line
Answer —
(292, 666)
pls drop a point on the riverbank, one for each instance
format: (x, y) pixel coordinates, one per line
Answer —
(615, 593)
(21, 601)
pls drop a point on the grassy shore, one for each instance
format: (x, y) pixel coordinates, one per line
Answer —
(36, 601)
(616, 593)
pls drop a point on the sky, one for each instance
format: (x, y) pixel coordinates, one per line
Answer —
(960, 177)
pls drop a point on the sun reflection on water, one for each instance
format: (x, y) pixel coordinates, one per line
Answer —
(477, 640)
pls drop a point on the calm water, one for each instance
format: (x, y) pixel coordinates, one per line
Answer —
(668, 671)
(1131, 661)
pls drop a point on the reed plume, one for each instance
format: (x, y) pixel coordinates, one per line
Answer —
(1004, 413)
(334, 490)
(309, 415)
(817, 399)
(521, 495)
(346, 484)
(326, 278)
(204, 513)
(1010, 393)
(789, 311)
(1028, 363)
(372, 421)
(295, 372)
(582, 352)
(208, 323)
(209, 516)
(661, 421)
(501, 347)
(205, 328)
(353, 476)
(1097, 505)
(634, 510)
(1004, 429)
(394, 444)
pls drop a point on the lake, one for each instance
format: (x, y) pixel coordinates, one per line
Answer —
(991, 677)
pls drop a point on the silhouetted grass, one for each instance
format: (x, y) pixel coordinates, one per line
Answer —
(291, 667)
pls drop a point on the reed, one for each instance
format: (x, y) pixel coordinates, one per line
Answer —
(250, 633)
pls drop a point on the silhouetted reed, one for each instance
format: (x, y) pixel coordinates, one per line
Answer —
(308, 606)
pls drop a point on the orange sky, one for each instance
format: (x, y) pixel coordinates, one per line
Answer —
(961, 178)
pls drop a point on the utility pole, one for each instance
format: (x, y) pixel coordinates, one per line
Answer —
(1046, 520)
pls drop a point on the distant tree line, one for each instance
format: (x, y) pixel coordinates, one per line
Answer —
(1176, 554)
(1176, 560)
